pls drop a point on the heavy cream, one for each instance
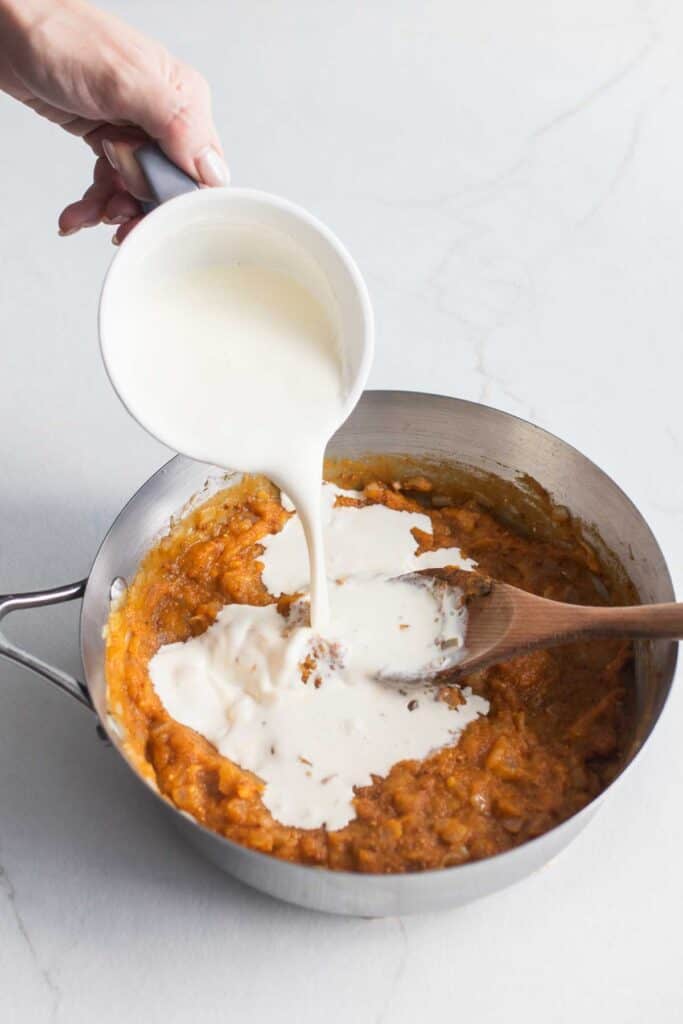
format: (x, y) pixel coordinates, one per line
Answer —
(240, 365)
(241, 683)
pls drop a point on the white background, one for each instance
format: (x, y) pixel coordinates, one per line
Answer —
(510, 178)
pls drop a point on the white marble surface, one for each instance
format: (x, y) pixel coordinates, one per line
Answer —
(509, 177)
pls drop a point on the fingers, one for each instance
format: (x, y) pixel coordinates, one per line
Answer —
(85, 213)
(190, 138)
(106, 201)
(125, 230)
(120, 209)
(170, 103)
(173, 105)
(121, 156)
(118, 145)
(70, 122)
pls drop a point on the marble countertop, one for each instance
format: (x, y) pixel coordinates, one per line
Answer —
(508, 176)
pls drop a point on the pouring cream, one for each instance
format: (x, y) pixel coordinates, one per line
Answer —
(235, 344)
(237, 329)
(242, 361)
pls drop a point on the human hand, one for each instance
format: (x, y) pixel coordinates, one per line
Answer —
(101, 80)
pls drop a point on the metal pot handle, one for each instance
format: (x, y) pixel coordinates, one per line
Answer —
(37, 599)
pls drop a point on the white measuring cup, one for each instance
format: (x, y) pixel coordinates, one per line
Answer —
(190, 228)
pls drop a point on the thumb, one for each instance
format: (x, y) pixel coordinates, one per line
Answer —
(174, 108)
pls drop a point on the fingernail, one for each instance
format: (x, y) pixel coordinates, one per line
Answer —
(92, 223)
(110, 153)
(121, 219)
(211, 168)
(115, 240)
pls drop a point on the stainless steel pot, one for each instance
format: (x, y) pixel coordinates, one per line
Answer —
(398, 423)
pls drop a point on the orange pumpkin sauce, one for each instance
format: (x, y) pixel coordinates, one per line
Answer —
(556, 733)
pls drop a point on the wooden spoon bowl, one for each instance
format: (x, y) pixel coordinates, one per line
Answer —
(504, 621)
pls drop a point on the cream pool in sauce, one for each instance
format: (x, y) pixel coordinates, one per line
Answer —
(240, 683)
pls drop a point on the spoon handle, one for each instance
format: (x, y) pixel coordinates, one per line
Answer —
(653, 620)
(537, 622)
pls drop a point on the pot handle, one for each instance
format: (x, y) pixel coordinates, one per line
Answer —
(165, 179)
(37, 599)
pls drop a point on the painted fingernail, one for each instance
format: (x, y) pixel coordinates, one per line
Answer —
(110, 153)
(211, 168)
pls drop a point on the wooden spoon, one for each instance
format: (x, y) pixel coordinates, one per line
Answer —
(504, 621)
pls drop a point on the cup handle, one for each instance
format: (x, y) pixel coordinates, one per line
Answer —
(165, 179)
(37, 599)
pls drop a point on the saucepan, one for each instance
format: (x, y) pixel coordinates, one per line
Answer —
(420, 426)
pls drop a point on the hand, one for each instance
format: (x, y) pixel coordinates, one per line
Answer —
(101, 80)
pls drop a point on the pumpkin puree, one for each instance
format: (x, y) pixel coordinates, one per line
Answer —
(555, 736)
